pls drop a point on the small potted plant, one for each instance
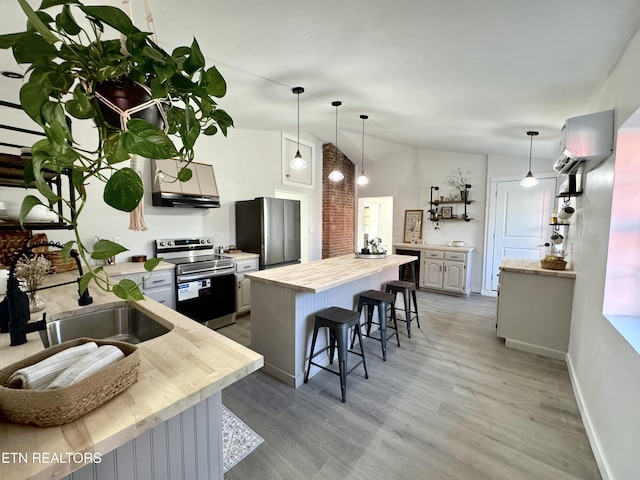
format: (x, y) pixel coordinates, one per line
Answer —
(458, 181)
(73, 68)
(376, 247)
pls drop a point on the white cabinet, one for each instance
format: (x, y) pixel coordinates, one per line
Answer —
(243, 285)
(446, 271)
(160, 285)
(534, 310)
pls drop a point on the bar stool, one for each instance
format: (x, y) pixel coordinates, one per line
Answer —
(405, 288)
(382, 301)
(339, 321)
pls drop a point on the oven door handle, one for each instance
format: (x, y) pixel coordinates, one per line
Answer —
(203, 275)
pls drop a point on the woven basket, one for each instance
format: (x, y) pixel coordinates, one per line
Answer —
(47, 408)
(556, 264)
(58, 265)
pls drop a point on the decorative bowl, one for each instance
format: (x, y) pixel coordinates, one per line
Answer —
(458, 243)
(10, 212)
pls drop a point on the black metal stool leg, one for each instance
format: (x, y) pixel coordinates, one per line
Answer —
(415, 306)
(407, 311)
(342, 361)
(364, 362)
(313, 348)
(382, 318)
(395, 322)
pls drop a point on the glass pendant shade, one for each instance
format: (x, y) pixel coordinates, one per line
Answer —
(362, 179)
(336, 175)
(530, 180)
(298, 163)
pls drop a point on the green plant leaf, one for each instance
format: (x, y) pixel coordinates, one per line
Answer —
(216, 84)
(32, 48)
(52, 3)
(8, 40)
(128, 290)
(104, 249)
(152, 263)
(195, 61)
(182, 84)
(210, 130)
(80, 107)
(190, 129)
(66, 22)
(148, 141)
(27, 204)
(185, 174)
(32, 97)
(155, 55)
(55, 122)
(83, 284)
(114, 149)
(112, 16)
(66, 250)
(124, 190)
(223, 119)
(35, 21)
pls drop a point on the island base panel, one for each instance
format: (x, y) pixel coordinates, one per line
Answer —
(282, 322)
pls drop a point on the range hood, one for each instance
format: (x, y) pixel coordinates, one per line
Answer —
(200, 191)
(587, 138)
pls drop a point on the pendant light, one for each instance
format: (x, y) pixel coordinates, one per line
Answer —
(336, 175)
(362, 179)
(530, 180)
(298, 163)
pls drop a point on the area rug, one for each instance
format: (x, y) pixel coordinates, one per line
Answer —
(238, 440)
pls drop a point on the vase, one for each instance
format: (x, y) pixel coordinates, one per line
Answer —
(36, 302)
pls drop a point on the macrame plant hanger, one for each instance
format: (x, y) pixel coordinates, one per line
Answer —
(136, 217)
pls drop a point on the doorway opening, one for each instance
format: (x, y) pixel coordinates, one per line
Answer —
(375, 219)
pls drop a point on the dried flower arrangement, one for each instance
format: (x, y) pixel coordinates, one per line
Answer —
(32, 270)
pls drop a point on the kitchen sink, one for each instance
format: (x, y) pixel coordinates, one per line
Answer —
(124, 323)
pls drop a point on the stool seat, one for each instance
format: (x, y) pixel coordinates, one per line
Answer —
(383, 301)
(339, 321)
(406, 289)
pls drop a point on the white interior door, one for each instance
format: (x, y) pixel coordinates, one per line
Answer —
(522, 217)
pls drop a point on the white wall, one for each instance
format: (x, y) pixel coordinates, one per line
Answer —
(246, 165)
(605, 368)
(408, 179)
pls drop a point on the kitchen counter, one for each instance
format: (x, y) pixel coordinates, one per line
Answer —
(322, 275)
(533, 267)
(178, 370)
(241, 255)
(284, 301)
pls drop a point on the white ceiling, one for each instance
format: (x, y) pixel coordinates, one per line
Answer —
(458, 75)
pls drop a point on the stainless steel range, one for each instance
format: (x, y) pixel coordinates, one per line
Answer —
(205, 281)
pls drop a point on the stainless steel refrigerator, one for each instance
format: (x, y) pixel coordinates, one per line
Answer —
(271, 228)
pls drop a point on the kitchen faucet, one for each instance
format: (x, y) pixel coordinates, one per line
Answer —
(16, 307)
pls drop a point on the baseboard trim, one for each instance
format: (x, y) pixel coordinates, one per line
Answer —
(586, 421)
(537, 349)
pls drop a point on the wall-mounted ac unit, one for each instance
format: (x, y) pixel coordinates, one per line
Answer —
(587, 138)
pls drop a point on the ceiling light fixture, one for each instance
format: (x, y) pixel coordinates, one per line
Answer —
(336, 175)
(530, 180)
(298, 163)
(362, 179)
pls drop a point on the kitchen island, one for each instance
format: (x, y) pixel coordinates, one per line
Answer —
(284, 301)
(167, 425)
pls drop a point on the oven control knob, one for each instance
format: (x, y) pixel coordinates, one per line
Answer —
(208, 240)
(170, 243)
(202, 240)
(161, 244)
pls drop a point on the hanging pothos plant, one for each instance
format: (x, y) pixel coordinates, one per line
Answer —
(69, 65)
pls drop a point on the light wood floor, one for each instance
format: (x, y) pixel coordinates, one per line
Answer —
(451, 403)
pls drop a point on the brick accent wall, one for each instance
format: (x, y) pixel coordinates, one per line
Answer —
(338, 204)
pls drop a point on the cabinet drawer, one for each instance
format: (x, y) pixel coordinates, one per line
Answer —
(246, 265)
(158, 279)
(433, 254)
(454, 256)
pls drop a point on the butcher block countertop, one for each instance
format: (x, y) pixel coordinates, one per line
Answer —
(178, 370)
(533, 267)
(328, 273)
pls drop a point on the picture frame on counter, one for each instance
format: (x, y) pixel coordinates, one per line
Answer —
(447, 212)
(413, 225)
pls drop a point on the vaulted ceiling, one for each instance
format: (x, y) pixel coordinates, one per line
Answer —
(458, 75)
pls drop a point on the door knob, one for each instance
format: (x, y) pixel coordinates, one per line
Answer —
(545, 245)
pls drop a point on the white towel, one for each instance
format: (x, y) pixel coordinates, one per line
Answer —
(41, 374)
(87, 365)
